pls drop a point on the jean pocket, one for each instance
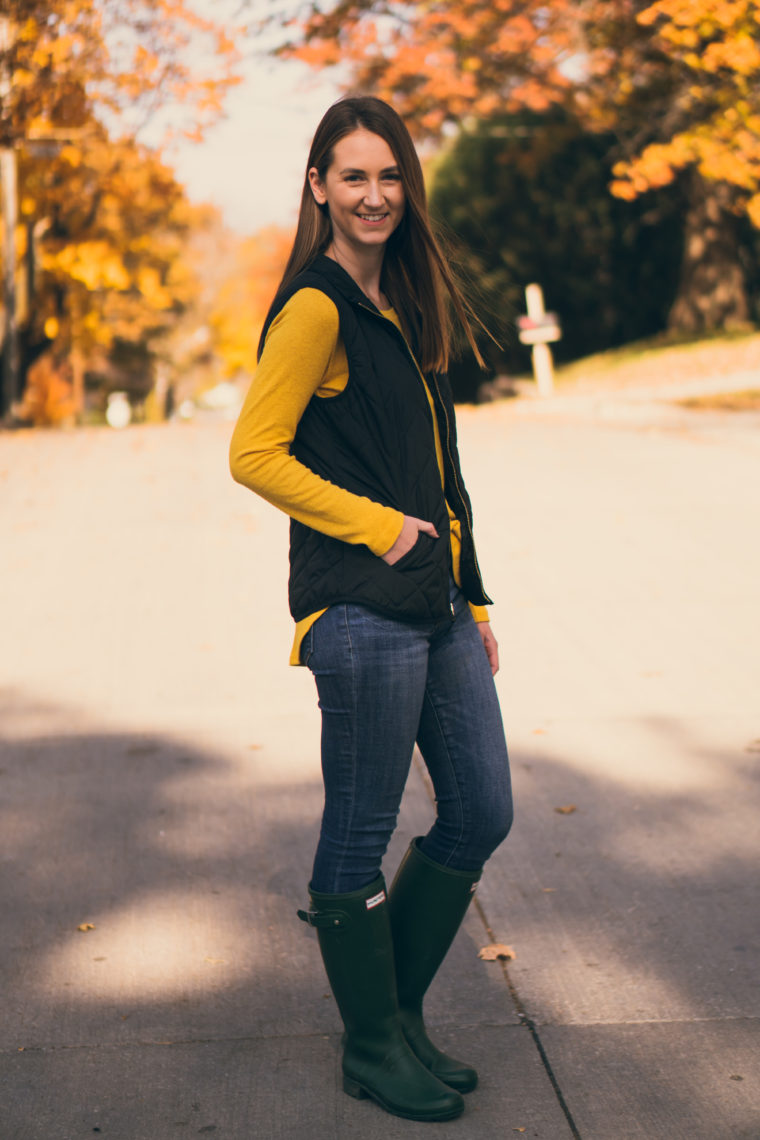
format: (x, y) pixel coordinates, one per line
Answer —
(307, 646)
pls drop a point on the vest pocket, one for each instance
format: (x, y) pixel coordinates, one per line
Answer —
(418, 555)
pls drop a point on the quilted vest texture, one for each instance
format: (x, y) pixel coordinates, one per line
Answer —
(376, 439)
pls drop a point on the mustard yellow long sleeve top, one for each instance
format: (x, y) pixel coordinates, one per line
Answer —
(303, 358)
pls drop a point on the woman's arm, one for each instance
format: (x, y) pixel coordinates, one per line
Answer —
(299, 348)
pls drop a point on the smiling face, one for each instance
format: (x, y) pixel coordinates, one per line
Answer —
(362, 190)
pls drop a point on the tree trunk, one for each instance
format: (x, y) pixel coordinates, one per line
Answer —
(712, 289)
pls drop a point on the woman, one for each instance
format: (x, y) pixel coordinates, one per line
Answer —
(349, 428)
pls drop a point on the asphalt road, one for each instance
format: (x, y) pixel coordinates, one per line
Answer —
(160, 788)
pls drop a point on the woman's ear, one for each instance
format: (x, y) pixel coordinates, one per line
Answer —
(317, 188)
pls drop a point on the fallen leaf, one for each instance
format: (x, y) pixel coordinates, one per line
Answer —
(566, 809)
(215, 961)
(495, 951)
(85, 926)
(736, 1077)
(539, 732)
(548, 890)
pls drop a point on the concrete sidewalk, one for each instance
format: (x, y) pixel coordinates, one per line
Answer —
(160, 787)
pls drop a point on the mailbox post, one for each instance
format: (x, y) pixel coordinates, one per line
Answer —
(538, 329)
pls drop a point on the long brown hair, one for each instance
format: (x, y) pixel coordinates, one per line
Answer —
(416, 276)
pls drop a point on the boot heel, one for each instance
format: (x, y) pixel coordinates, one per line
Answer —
(353, 1088)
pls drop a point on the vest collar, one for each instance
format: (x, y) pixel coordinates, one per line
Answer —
(337, 276)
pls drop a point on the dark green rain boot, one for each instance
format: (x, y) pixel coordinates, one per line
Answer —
(355, 940)
(427, 905)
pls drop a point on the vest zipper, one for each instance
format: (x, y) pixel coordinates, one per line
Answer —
(467, 518)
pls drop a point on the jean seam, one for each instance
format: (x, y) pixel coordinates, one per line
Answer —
(349, 820)
(453, 775)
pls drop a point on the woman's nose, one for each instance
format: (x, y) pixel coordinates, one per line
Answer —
(374, 195)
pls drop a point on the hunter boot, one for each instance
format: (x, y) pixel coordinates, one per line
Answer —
(427, 905)
(355, 941)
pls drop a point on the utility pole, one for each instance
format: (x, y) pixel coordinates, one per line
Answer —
(9, 193)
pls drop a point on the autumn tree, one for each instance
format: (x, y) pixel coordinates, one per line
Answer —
(526, 198)
(677, 82)
(111, 269)
(441, 62)
(79, 80)
(682, 90)
(244, 297)
(70, 59)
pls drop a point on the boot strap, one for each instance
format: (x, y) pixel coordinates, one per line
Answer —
(324, 918)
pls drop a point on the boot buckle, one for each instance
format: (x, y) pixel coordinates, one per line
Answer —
(322, 920)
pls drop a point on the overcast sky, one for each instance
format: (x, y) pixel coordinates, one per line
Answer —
(252, 163)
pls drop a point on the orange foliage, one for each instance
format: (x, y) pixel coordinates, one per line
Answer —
(67, 58)
(711, 49)
(244, 298)
(114, 224)
(48, 397)
(678, 81)
(439, 62)
(110, 221)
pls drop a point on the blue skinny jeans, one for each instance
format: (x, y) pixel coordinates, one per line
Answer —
(383, 685)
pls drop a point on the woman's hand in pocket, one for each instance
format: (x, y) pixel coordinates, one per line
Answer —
(410, 532)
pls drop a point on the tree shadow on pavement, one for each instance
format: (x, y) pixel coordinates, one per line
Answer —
(143, 891)
(633, 913)
(148, 896)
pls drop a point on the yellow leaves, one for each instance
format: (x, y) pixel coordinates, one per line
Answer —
(710, 36)
(496, 951)
(454, 59)
(242, 300)
(724, 148)
(28, 32)
(741, 54)
(23, 78)
(151, 288)
(85, 927)
(128, 57)
(93, 263)
(146, 62)
(566, 809)
(71, 154)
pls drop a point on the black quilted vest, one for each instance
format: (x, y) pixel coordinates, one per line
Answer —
(376, 439)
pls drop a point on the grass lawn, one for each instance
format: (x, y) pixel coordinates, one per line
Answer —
(746, 401)
(665, 360)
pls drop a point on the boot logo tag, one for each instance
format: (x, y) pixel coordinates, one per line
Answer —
(375, 900)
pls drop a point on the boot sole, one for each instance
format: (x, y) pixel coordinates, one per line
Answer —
(460, 1084)
(361, 1092)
